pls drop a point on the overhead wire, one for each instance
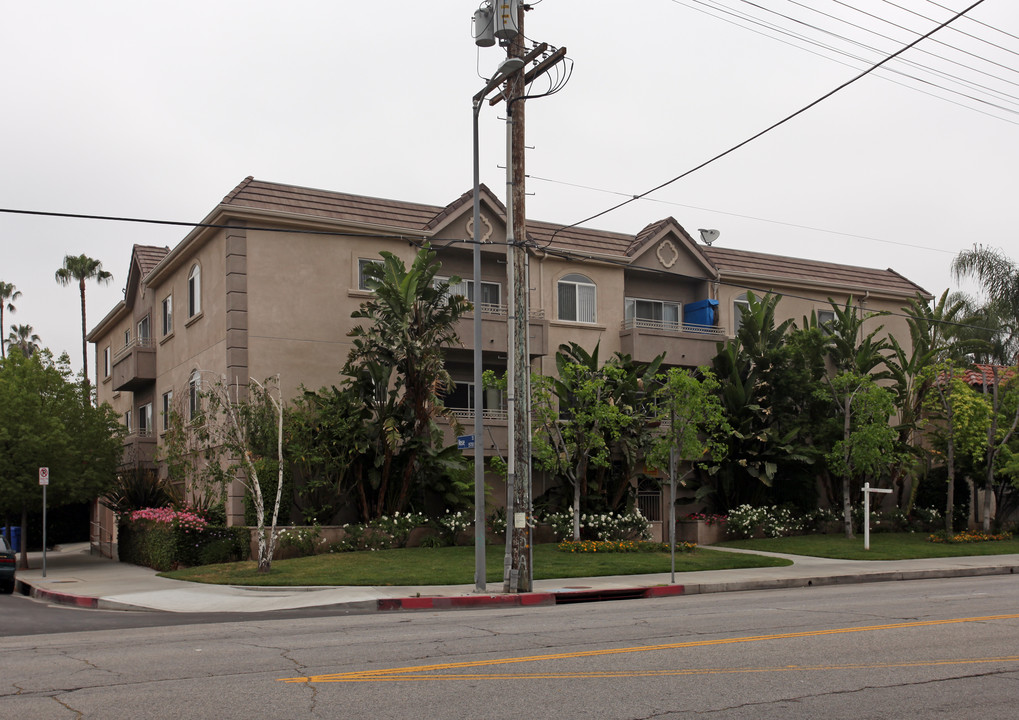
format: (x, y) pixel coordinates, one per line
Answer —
(768, 129)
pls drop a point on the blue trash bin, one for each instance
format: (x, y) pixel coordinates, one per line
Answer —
(13, 536)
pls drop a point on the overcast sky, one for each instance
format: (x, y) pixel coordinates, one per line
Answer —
(157, 110)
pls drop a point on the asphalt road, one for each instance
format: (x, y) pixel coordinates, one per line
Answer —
(932, 649)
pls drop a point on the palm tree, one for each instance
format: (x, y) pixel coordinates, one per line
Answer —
(24, 338)
(8, 294)
(81, 268)
(999, 276)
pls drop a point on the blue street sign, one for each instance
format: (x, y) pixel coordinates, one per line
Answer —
(464, 442)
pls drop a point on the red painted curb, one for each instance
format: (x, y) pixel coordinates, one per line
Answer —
(466, 601)
(664, 591)
(90, 603)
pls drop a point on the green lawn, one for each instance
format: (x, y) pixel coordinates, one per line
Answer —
(455, 566)
(883, 546)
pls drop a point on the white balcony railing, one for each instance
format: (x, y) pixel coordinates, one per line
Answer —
(144, 342)
(503, 310)
(677, 327)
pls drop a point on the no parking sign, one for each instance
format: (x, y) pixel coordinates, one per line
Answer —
(44, 476)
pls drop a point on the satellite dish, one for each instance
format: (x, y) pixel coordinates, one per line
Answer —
(708, 237)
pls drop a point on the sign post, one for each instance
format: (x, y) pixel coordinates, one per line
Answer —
(44, 480)
(867, 490)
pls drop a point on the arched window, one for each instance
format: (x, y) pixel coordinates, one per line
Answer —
(577, 299)
(194, 290)
(195, 395)
(739, 306)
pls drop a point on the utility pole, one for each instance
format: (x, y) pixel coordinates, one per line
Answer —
(518, 571)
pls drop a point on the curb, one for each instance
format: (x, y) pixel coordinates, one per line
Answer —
(533, 599)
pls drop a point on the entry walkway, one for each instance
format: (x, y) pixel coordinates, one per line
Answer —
(74, 576)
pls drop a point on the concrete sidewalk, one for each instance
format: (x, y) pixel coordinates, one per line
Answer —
(75, 577)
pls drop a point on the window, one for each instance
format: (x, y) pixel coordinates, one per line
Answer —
(194, 395)
(167, 315)
(362, 280)
(461, 397)
(577, 299)
(127, 338)
(127, 421)
(825, 318)
(657, 313)
(106, 361)
(145, 420)
(167, 410)
(194, 291)
(491, 292)
(143, 331)
(739, 307)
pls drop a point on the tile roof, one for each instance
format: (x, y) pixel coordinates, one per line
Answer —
(148, 257)
(979, 374)
(799, 270)
(291, 199)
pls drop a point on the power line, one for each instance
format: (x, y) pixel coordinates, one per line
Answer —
(739, 215)
(771, 127)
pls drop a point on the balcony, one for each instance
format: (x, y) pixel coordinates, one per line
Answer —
(684, 344)
(494, 331)
(139, 449)
(134, 365)
(496, 426)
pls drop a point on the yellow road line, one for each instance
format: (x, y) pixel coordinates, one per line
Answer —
(388, 674)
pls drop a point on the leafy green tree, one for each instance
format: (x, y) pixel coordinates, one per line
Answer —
(868, 441)
(1004, 399)
(9, 294)
(999, 277)
(24, 338)
(765, 437)
(397, 367)
(960, 419)
(47, 420)
(851, 350)
(245, 421)
(692, 421)
(934, 340)
(78, 269)
(576, 420)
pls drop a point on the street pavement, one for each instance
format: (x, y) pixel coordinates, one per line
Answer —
(76, 577)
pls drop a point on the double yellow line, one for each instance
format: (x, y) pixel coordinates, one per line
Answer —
(426, 672)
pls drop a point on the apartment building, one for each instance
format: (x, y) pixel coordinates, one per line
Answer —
(267, 282)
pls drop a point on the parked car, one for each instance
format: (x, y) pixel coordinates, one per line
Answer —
(8, 561)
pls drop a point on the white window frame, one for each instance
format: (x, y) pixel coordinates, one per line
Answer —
(194, 395)
(740, 305)
(127, 338)
(466, 288)
(194, 290)
(578, 283)
(127, 421)
(167, 315)
(144, 330)
(145, 420)
(106, 361)
(167, 409)
(630, 312)
(493, 398)
(361, 264)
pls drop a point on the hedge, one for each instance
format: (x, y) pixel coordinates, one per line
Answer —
(163, 547)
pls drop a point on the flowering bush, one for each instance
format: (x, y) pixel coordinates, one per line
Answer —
(303, 540)
(185, 519)
(453, 523)
(398, 526)
(618, 546)
(967, 536)
(604, 526)
(747, 521)
(164, 538)
(497, 521)
(706, 519)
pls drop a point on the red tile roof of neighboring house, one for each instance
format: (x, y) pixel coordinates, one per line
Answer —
(258, 194)
(978, 375)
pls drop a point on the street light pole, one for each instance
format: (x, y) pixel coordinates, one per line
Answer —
(506, 69)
